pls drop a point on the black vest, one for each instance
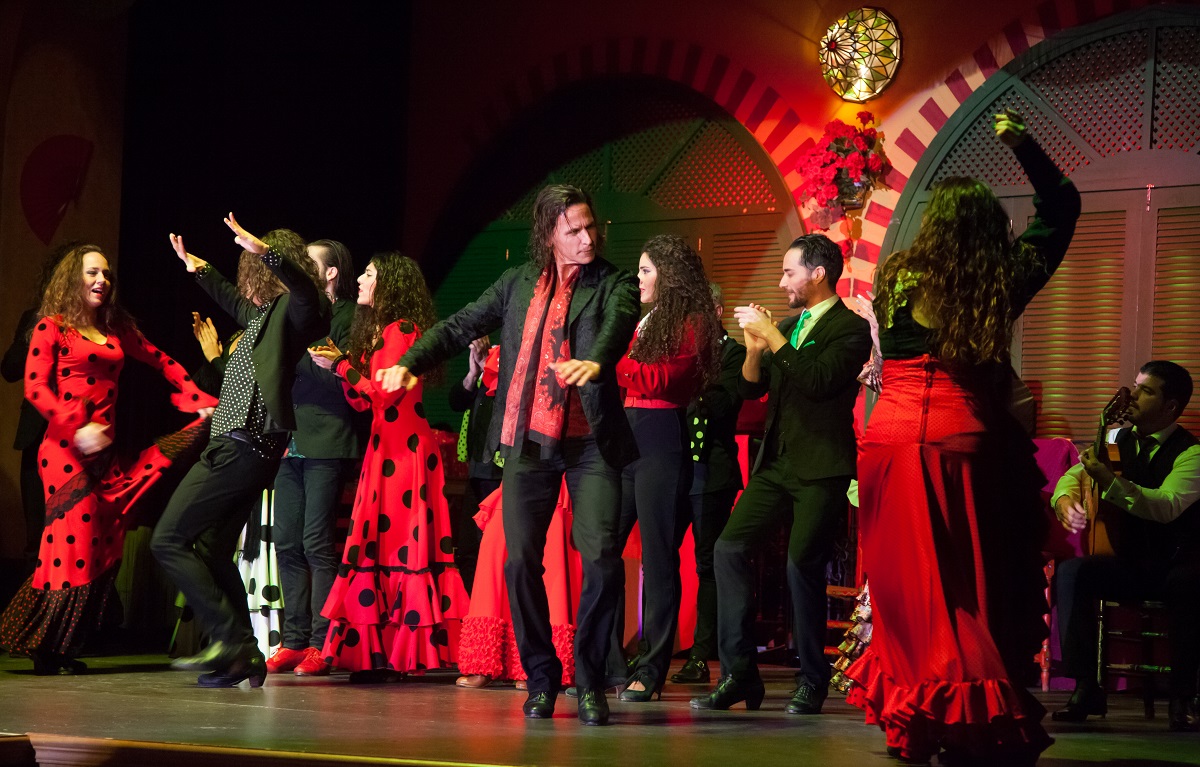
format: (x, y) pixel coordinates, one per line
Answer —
(1143, 538)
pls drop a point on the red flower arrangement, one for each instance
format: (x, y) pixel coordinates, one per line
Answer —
(841, 167)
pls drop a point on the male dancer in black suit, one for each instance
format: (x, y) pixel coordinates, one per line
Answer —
(310, 478)
(810, 364)
(567, 317)
(195, 539)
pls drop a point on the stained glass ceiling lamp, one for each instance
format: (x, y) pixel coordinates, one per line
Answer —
(859, 54)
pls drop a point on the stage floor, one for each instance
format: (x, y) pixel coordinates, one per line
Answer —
(138, 698)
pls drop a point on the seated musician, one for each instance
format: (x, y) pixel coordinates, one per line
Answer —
(1155, 531)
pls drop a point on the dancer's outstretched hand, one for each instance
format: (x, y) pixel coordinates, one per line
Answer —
(245, 239)
(1010, 128)
(192, 263)
(395, 378)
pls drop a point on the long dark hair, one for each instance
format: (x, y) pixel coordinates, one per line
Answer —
(964, 265)
(551, 203)
(256, 281)
(682, 299)
(64, 295)
(400, 295)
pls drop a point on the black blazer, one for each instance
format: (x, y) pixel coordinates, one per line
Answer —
(810, 411)
(720, 404)
(324, 419)
(294, 320)
(604, 313)
(31, 427)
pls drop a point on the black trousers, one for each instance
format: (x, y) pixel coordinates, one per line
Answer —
(710, 513)
(304, 531)
(196, 538)
(653, 493)
(817, 510)
(530, 491)
(1080, 583)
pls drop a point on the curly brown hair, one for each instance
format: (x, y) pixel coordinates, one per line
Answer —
(400, 295)
(256, 282)
(64, 296)
(967, 267)
(682, 300)
(551, 203)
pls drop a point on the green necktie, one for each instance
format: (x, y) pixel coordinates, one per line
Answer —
(804, 315)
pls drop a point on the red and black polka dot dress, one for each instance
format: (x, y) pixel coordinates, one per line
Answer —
(398, 600)
(73, 381)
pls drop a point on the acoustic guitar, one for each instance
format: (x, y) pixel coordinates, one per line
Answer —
(1103, 519)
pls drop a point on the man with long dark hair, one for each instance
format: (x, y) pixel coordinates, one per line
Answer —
(567, 317)
(195, 539)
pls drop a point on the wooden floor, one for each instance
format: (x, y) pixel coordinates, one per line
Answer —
(429, 721)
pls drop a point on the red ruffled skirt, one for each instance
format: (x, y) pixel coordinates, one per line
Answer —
(933, 676)
(487, 646)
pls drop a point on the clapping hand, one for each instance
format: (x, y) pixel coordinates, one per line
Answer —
(395, 378)
(245, 239)
(756, 323)
(1010, 128)
(206, 334)
(324, 355)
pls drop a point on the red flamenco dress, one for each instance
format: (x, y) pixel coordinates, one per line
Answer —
(398, 600)
(73, 381)
(939, 670)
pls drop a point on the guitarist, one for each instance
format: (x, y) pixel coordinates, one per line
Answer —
(1157, 554)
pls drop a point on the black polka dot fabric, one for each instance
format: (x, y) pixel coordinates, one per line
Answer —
(397, 601)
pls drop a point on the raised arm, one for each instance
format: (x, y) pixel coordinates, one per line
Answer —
(1056, 202)
(216, 286)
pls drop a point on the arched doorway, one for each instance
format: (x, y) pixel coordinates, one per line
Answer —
(1114, 105)
(657, 158)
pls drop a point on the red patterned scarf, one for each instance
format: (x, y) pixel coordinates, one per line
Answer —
(539, 405)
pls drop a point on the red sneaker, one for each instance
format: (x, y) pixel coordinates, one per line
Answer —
(284, 659)
(313, 664)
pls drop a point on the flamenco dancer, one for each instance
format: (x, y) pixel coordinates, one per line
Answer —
(948, 529)
(397, 601)
(196, 538)
(76, 353)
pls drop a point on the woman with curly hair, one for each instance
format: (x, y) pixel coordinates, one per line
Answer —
(674, 354)
(75, 357)
(949, 510)
(398, 600)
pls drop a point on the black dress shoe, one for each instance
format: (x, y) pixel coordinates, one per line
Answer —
(1182, 715)
(1085, 701)
(730, 691)
(539, 705)
(695, 671)
(216, 657)
(593, 706)
(253, 668)
(807, 699)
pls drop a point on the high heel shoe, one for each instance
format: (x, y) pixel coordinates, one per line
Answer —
(730, 691)
(650, 689)
(253, 669)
